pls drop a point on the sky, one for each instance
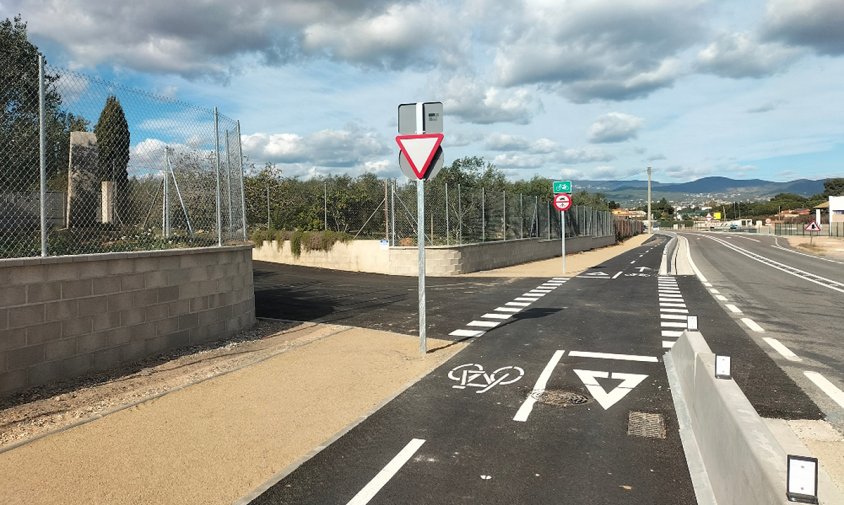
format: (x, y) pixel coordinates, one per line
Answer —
(563, 89)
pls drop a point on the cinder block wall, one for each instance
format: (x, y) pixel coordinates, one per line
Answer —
(61, 317)
(370, 256)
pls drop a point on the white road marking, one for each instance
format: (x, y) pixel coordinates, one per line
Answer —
(371, 489)
(714, 291)
(498, 316)
(542, 290)
(827, 387)
(752, 325)
(604, 398)
(538, 388)
(668, 324)
(538, 294)
(507, 309)
(484, 324)
(632, 262)
(675, 311)
(526, 299)
(672, 333)
(466, 333)
(616, 275)
(668, 344)
(671, 295)
(708, 285)
(784, 351)
(748, 238)
(608, 355)
(733, 308)
(721, 297)
(674, 316)
(669, 304)
(517, 304)
(559, 279)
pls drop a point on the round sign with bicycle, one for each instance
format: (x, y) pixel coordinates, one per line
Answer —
(562, 201)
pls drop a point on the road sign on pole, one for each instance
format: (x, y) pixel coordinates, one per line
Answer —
(430, 116)
(419, 151)
(562, 202)
(812, 226)
(562, 186)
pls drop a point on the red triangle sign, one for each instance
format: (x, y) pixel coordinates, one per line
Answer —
(419, 150)
(813, 226)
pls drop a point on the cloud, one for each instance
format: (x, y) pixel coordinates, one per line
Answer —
(610, 50)
(614, 127)
(352, 147)
(738, 55)
(507, 142)
(767, 107)
(469, 99)
(809, 23)
(582, 155)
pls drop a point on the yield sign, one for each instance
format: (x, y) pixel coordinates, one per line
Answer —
(608, 399)
(813, 226)
(419, 150)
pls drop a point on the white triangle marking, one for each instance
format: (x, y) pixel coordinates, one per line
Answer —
(604, 398)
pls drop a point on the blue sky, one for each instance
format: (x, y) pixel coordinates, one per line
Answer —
(579, 89)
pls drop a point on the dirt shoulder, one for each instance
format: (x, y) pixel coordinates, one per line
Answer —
(828, 247)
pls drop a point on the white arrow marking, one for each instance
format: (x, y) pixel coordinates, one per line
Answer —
(608, 399)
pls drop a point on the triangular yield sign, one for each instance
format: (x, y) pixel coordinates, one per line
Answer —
(608, 399)
(813, 226)
(419, 150)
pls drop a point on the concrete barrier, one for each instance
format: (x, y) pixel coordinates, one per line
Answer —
(743, 460)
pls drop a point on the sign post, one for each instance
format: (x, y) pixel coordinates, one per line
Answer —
(813, 226)
(562, 202)
(421, 151)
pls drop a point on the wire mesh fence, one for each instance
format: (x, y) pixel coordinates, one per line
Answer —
(799, 229)
(90, 166)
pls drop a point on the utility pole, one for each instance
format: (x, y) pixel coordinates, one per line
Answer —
(650, 227)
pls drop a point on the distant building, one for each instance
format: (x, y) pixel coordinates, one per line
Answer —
(629, 214)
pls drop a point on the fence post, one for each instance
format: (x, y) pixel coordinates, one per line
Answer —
(393, 209)
(325, 203)
(522, 216)
(269, 222)
(483, 215)
(217, 152)
(42, 154)
(549, 220)
(504, 206)
(242, 187)
(229, 181)
(386, 213)
(459, 217)
(447, 231)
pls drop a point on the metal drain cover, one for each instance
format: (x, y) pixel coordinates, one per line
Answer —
(561, 398)
(645, 424)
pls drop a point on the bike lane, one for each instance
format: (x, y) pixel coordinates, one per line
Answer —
(478, 431)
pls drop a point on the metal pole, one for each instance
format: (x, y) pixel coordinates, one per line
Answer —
(217, 152)
(504, 208)
(459, 216)
(483, 216)
(522, 214)
(447, 231)
(242, 190)
(549, 220)
(269, 222)
(563, 237)
(386, 213)
(42, 154)
(229, 180)
(420, 218)
(650, 227)
(325, 203)
(393, 209)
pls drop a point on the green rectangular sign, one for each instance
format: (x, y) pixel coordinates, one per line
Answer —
(562, 186)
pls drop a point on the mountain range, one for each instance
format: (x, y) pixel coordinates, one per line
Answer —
(705, 189)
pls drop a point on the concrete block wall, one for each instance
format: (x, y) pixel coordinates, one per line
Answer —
(62, 317)
(371, 256)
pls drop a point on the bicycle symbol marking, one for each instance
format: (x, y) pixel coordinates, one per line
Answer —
(472, 375)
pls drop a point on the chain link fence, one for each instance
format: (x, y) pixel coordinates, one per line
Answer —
(89, 166)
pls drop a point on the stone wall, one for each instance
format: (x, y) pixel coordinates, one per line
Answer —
(376, 257)
(62, 317)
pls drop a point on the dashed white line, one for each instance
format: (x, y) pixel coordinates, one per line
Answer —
(752, 325)
(784, 351)
(714, 291)
(669, 304)
(483, 324)
(616, 275)
(827, 387)
(674, 316)
(668, 324)
(608, 355)
(497, 316)
(733, 308)
(672, 333)
(466, 333)
(371, 489)
(517, 304)
(721, 297)
(675, 311)
(538, 388)
(525, 299)
(507, 309)
(668, 344)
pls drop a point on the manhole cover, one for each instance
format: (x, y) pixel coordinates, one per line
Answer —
(644, 424)
(561, 398)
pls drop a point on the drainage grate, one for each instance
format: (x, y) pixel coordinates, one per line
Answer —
(644, 424)
(561, 398)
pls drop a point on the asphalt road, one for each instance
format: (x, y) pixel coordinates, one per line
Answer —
(794, 303)
(562, 399)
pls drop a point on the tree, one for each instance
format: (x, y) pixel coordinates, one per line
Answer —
(19, 145)
(112, 133)
(833, 187)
